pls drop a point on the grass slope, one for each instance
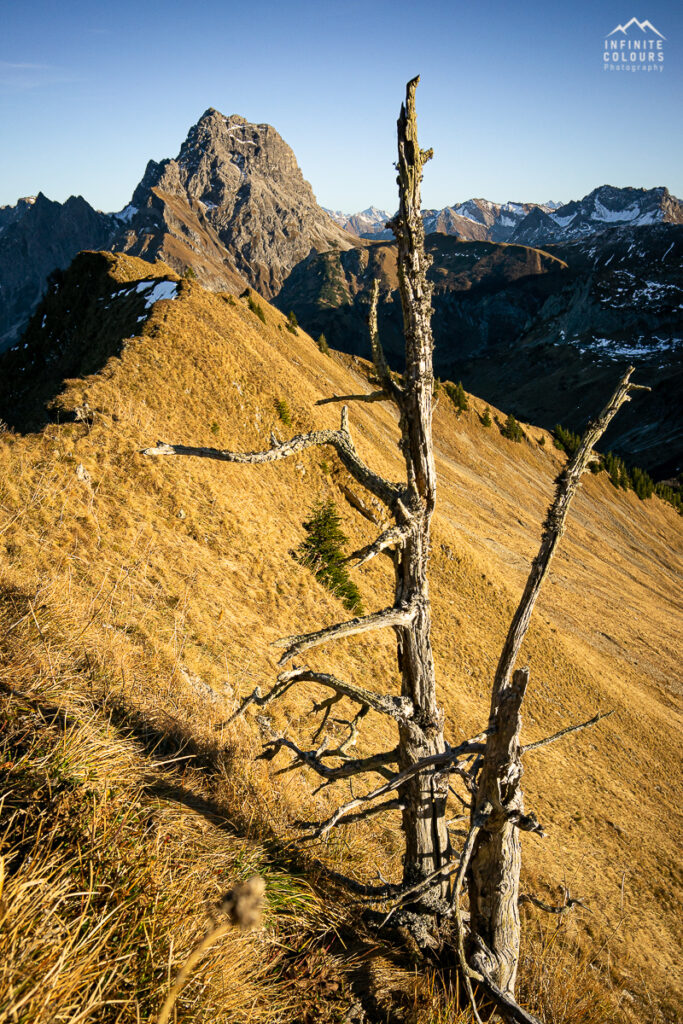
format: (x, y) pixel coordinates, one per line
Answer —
(138, 601)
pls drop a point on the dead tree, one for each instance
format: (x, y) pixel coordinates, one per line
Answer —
(498, 808)
(421, 795)
(416, 773)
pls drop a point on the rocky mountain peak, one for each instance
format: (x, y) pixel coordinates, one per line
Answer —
(536, 223)
(605, 207)
(241, 182)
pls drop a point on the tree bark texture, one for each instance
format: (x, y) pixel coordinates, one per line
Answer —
(424, 795)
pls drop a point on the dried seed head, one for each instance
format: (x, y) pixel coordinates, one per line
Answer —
(244, 903)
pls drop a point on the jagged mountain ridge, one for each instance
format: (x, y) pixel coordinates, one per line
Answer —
(38, 236)
(369, 223)
(534, 223)
(233, 205)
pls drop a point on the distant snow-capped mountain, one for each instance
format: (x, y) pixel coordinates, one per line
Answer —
(532, 223)
(368, 222)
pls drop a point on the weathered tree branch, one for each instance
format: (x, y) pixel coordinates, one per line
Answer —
(435, 761)
(553, 529)
(398, 708)
(414, 890)
(395, 804)
(508, 1007)
(372, 892)
(314, 759)
(562, 908)
(375, 516)
(296, 645)
(565, 732)
(339, 439)
(467, 972)
(394, 536)
(342, 750)
(389, 385)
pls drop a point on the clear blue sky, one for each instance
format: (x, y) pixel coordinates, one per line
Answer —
(513, 98)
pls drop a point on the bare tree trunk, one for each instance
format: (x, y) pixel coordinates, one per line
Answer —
(493, 881)
(424, 796)
(423, 792)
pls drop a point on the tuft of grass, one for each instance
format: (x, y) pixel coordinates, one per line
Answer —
(560, 979)
(109, 882)
(104, 892)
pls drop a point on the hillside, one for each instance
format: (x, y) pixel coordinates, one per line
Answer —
(138, 602)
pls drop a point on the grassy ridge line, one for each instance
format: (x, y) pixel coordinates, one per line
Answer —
(177, 610)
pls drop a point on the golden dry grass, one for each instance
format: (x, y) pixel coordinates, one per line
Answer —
(141, 596)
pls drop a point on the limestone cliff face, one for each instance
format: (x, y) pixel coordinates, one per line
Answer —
(239, 185)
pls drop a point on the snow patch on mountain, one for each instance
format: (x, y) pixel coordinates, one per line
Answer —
(127, 214)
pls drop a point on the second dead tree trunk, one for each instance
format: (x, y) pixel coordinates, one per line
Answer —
(417, 771)
(498, 806)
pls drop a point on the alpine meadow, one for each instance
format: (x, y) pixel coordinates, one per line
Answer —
(340, 604)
